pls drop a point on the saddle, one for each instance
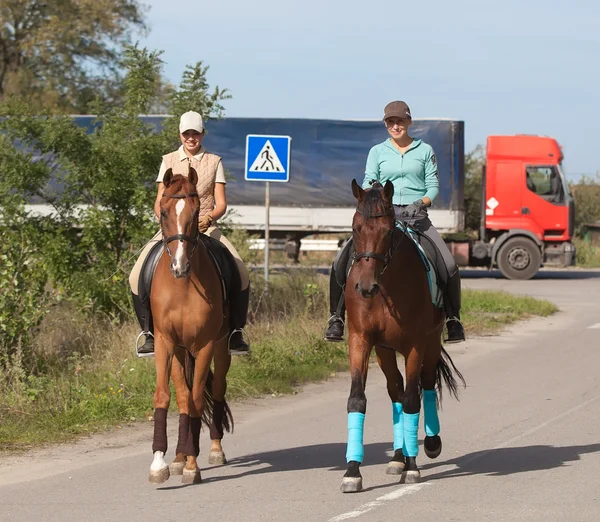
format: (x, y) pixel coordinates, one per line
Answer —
(430, 256)
(220, 255)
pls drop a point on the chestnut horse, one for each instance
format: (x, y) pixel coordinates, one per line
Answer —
(190, 329)
(389, 306)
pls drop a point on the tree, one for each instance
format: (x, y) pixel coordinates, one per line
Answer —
(586, 193)
(103, 210)
(64, 53)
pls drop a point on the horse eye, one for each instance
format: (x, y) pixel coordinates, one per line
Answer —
(163, 214)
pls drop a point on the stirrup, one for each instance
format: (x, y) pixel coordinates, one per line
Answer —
(456, 319)
(137, 341)
(332, 318)
(244, 335)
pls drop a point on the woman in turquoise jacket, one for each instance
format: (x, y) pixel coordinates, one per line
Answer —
(411, 166)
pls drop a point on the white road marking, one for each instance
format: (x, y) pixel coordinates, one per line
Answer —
(369, 506)
(595, 326)
(413, 488)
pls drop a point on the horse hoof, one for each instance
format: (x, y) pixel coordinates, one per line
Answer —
(394, 468)
(351, 484)
(217, 457)
(176, 468)
(411, 477)
(159, 476)
(191, 476)
(432, 446)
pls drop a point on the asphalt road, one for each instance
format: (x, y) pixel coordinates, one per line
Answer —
(523, 443)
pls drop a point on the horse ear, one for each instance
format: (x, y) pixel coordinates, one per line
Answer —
(168, 177)
(193, 176)
(388, 190)
(358, 192)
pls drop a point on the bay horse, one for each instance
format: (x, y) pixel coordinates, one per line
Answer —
(389, 307)
(190, 330)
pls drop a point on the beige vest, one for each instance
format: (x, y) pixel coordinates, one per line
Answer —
(206, 168)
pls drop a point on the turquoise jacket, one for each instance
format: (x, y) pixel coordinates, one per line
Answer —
(414, 173)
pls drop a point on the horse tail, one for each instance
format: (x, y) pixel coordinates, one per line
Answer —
(209, 400)
(446, 372)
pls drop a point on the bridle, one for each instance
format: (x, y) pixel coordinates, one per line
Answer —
(194, 240)
(384, 258)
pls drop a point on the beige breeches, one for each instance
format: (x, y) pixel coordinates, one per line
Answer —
(213, 232)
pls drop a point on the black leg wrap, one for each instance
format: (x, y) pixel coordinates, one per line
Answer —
(216, 426)
(160, 430)
(193, 441)
(184, 428)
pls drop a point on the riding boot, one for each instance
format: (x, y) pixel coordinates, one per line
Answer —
(337, 307)
(144, 316)
(452, 302)
(238, 307)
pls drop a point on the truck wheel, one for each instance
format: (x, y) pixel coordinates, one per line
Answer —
(519, 258)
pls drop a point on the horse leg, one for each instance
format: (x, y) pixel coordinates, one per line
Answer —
(222, 359)
(395, 386)
(163, 357)
(412, 407)
(360, 350)
(191, 471)
(432, 443)
(182, 397)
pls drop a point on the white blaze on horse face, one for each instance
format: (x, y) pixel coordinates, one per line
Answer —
(179, 256)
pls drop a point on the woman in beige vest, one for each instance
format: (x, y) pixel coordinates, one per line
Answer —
(213, 205)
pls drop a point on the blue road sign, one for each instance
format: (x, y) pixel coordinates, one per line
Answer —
(268, 158)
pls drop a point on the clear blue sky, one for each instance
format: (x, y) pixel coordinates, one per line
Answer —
(516, 66)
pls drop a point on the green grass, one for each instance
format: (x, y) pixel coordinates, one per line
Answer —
(588, 256)
(85, 377)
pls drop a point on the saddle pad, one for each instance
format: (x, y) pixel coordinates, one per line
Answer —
(437, 297)
(220, 255)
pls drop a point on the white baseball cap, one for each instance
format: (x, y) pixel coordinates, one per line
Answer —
(191, 121)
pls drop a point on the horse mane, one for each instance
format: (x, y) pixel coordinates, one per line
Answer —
(373, 203)
(178, 184)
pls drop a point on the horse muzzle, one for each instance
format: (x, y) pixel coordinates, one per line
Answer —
(180, 270)
(367, 292)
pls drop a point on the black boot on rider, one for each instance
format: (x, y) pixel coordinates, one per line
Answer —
(239, 313)
(335, 325)
(452, 299)
(145, 319)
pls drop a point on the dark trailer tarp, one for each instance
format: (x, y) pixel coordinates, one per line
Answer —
(326, 156)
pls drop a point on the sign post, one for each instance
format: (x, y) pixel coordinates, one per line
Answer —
(267, 159)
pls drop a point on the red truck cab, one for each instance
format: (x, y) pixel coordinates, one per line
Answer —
(527, 209)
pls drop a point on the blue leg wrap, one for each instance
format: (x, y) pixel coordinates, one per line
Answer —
(355, 450)
(432, 421)
(411, 434)
(398, 425)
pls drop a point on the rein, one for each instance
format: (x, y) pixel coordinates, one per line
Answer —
(194, 240)
(384, 258)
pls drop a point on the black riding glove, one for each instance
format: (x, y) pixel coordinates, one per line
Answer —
(414, 208)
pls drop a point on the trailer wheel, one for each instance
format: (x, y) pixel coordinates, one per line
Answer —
(519, 258)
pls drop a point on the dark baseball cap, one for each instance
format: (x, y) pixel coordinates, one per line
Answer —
(396, 109)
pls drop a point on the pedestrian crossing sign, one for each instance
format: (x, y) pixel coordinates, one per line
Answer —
(268, 158)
